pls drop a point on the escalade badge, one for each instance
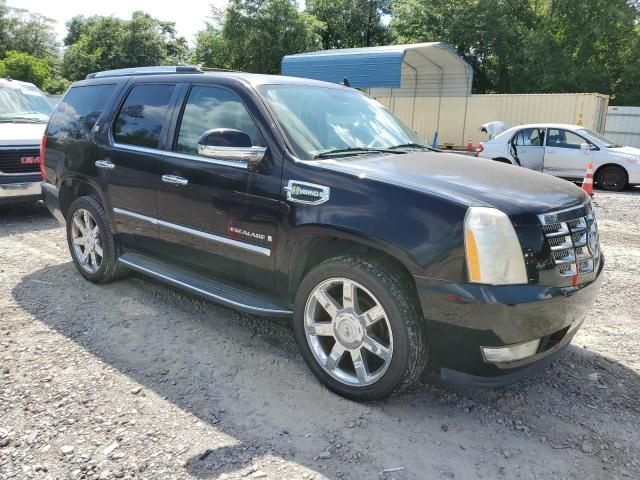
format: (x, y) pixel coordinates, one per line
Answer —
(308, 193)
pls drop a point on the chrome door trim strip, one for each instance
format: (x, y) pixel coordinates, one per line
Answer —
(209, 236)
(205, 293)
(185, 156)
(135, 148)
(225, 163)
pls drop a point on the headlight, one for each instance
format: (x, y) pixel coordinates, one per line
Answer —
(494, 254)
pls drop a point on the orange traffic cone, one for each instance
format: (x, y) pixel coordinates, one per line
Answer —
(469, 145)
(587, 183)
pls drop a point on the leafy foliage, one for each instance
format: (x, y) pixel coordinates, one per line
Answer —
(25, 67)
(258, 33)
(103, 43)
(351, 23)
(23, 31)
(532, 45)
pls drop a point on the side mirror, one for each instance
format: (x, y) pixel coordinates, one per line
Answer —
(230, 145)
(585, 147)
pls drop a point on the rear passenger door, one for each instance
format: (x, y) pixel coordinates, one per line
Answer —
(131, 167)
(528, 144)
(222, 218)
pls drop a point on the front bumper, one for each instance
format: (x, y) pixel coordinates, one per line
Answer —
(462, 318)
(19, 191)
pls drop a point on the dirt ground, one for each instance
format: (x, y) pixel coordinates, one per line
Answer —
(137, 380)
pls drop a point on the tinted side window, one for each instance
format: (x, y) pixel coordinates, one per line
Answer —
(212, 107)
(78, 111)
(142, 115)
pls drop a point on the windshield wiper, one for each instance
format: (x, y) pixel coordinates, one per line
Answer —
(413, 145)
(354, 150)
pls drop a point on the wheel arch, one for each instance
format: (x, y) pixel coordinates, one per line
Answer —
(312, 249)
(596, 173)
(75, 187)
(502, 160)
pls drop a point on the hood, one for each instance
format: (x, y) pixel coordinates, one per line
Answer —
(631, 151)
(18, 134)
(519, 192)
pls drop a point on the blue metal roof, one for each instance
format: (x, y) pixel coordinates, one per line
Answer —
(382, 67)
(364, 67)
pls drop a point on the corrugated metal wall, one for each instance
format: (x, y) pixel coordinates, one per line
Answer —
(514, 109)
(623, 125)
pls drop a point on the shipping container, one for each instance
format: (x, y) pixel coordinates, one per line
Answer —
(458, 119)
(623, 125)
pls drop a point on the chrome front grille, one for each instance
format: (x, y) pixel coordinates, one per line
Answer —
(573, 239)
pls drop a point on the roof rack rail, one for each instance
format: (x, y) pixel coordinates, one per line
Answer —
(216, 69)
(124, 72)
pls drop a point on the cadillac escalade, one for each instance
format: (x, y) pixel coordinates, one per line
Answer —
(290, 197)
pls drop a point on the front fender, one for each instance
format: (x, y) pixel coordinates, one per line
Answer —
(421, 230)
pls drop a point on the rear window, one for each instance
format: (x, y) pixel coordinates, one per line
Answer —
(79, 110)
(142, 115)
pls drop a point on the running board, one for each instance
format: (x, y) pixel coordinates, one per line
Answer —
(217, 291)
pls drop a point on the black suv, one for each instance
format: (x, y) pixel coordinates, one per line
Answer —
(283, 196)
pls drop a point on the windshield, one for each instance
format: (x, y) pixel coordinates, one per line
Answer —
(319, 121)
(607, 142)
(20, 103)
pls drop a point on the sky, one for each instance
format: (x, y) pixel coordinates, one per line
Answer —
(189, 15)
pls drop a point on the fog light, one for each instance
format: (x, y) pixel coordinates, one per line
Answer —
(510, 353)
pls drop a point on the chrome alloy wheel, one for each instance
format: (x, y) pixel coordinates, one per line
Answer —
(348, 332)
(87, 244)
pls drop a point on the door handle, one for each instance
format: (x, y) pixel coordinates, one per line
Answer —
(106, 164)
(175, 180)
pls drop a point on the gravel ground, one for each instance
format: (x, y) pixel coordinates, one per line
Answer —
(137, 380)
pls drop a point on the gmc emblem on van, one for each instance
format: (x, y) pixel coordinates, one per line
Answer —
(29, 160)
(308, 193)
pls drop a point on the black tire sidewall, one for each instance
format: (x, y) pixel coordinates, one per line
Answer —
(620, 172)
(395, 373)
(98, 214)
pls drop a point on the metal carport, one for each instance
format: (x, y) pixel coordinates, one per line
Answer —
(391, 71)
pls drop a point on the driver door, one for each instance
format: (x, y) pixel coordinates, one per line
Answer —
(528, 147)
(217, 216)
(564, 156)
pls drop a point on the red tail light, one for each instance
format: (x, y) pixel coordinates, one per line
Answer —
(43, 148)
(479, 148)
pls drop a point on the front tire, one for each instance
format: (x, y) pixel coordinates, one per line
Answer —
(93, 248)
(360, 328)
(612, 179)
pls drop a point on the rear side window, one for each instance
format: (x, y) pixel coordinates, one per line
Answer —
(79, 110)
(142, 115)
(530, 137)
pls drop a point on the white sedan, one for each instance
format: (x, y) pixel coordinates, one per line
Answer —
(565, 151)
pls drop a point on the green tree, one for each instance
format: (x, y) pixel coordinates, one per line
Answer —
(28, 32)
(57, 85)
(25, 67)
(530, 45)
(351, 23)
(103, 43)
(258, 33)
(211, 49)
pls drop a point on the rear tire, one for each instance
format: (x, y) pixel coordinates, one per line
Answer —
(612, 179)
(93, 248)
(366, 348)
